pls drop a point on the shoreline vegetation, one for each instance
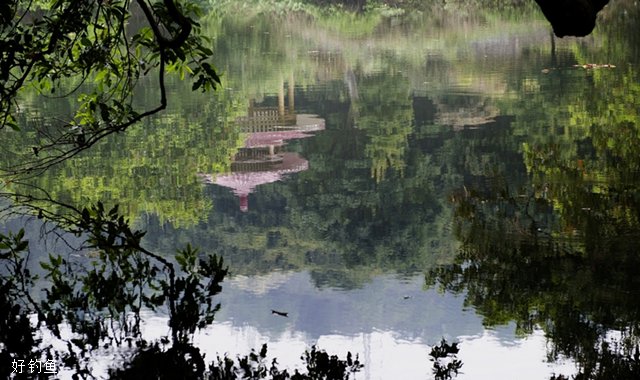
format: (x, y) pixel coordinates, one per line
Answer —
(363, 8)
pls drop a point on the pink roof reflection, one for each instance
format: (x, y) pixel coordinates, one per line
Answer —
(262, 139)
(243, 183)
(270, 167)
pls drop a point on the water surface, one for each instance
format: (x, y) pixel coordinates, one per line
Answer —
(441, 175)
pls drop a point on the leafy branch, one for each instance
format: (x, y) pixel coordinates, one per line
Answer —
(94, 44)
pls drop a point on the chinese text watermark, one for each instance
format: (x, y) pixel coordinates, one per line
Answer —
(34, 366)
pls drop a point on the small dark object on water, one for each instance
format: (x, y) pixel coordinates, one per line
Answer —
(406, 297)
(280, 313)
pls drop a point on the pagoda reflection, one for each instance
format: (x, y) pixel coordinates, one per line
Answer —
(263, 158)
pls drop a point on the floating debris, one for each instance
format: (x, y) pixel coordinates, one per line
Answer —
(587, 66)
(280, 313)
(596, 66)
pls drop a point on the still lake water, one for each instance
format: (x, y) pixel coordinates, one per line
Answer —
(434, 176)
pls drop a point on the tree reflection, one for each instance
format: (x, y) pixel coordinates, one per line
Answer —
(512, 270)
(561, 253)
(99, 298)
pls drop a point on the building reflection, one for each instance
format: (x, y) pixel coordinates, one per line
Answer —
(263, 158)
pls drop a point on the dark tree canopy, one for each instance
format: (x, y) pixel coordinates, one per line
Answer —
(572, 17)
